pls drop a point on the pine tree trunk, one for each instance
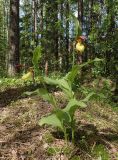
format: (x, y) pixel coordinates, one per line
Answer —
(35, 5)
(80, 18)
(40, 14)
(14, 57)
(110, 31)
(80, 12)
(61, 37)
(67, 35)
(56, 35)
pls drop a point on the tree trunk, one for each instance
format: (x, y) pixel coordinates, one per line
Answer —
(67, 35)
(35, 3)
(61, 36)
(80, 12)
(56, 36)
(80, 18)
(14, 57)
(40, 14)
(110, 31)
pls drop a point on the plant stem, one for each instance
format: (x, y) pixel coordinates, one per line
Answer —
(73, 130)
(65, 136)
(73, 137)
(73, 58)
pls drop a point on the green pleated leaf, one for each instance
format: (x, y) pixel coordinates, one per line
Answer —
(51, 120)
(72, 74)
(47, 96)
(78, 30)
(73, 105)
(63, 116)
(28, 93)
(88, 97)
(66, 88)
(51, 81)
(98, 60)
(62, 84)
(36, 57)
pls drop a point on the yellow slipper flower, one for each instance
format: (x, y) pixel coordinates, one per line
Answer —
(80, 47)
(27, 76)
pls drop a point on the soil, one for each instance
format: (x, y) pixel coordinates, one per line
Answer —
(21, 138)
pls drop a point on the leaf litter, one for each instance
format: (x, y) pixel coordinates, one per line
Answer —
(21, 138)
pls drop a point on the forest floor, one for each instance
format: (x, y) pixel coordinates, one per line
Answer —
(21, 138)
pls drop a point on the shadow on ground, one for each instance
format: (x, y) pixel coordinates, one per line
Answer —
(87, 136)
(13, 94)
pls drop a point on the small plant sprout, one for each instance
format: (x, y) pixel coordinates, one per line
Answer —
(33, 71)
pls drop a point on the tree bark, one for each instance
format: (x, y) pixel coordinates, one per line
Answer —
(80, 18)
(40, 14)
(61, 36)
(56, 35)
(35, 5)
(67, 35)
(80, 12)
(14, 56)
(110, 31)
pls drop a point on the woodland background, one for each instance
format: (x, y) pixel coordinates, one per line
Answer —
(80, 99)
(28, 23)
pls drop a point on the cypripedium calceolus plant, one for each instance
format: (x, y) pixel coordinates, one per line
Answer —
(32, 71)
(63, 119)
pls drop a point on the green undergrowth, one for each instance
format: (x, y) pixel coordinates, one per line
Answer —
(102, 88)
(10, 82)
(6, 83)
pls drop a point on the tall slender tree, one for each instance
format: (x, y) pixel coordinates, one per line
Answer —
(35, 6)
(13, 56)
(67, 34)
(80, 12)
